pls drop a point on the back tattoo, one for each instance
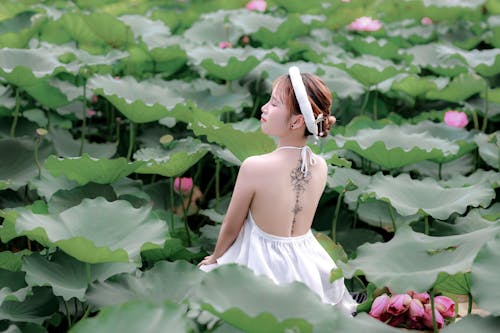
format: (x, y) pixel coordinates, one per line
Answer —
(299, 182)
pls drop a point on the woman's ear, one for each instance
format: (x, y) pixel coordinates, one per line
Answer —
(297, 121)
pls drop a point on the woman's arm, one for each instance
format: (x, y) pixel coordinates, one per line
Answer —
(236, 213)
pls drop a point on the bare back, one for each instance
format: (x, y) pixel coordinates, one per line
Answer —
(285, 200)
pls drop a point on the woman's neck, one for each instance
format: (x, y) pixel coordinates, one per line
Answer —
(292, 142)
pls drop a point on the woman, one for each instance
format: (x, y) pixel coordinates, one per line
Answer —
(267, 226)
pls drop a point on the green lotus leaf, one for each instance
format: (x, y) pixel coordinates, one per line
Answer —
(484, 276)
(417, 86)
(490, 177)
(474, 220)
(484, 62)
(460, 88)
(460, 166)
(341, 83)
(67, 276)
(149, 285)
(36, 308)
(140, 102)
(23, 66)
(428, 56)
(210, 96)
(36, 116)
(291, 27)
(351, 239)
(481, 106)
(382, 48)
(66, 146)
(18, 29)
(241, 144)
(427, 196)
(14, 287)
(139, 316)
(371, 70)
(110, 29)
(343, 178)
(96, 231)
(215, 27)
(402, 32)
(18, 160)
(64, 199)
(458, 284)
(86, 169)
(170, 59)
(473, 323)
(494, 24)
(155, 34)
(413, 261)
(230, 63)
(47, 184)
(491, 213)
(172, 162)
(393, 147)
(268, 70)
(12, 261)
(489, 148)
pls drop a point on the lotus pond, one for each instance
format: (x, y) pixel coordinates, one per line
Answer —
(123, 124)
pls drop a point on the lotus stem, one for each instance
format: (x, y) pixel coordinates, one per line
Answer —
(37, 161)
(476, 121)
(365, 102)
(84, 115)
(68, 316)
(355, 220)
(426, 224)
(86, 313)
(131, 140)
(185, 211)
(469, 303)
(486, 109)
(16, 114)
(440, 167)
(393, 220)
(217, 184)
(434, 323)
(88, 273)
(336, 215)
(171, 205)
(375, 106)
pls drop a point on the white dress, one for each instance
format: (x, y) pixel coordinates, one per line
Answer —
(287, 259)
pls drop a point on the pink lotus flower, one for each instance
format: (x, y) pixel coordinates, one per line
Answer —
(416, 310)
(456, 119)
(445, 306)
(225, 45)
(91, 113)
(398, 304)
(422, 297)
(379, 307)
(426, 20)
(183, 185)
(365, 23)
(258, 5)
(428, 317)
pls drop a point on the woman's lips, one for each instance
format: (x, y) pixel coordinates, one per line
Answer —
(262, 120)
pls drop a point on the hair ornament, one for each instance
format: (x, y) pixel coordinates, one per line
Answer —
(303, 100)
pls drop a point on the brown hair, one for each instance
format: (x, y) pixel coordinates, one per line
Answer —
(319, 96)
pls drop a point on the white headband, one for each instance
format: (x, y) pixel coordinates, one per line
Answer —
(303, 100)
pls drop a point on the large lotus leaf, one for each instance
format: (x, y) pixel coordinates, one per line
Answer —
(382, 48)
(149, 285)
(66, 146)
(12, 261)
(460, 88)
(292, 27)
(96, 231)
(67, 276)
(378, 214)
(427, 196)
(417, 86)
(459, 166)
(484, 277)
(462, 224)
(172, 162)
(139, 316)
(484, 62)
(347, 178)
(458, 284)
(267, 71)
(241, 144)
(47, 184)
(155, 34)
(489, 148)
(402, 32)
(474, 323)
(18, 165)
(210, 96)
(490, 177)
(393, 147)
(371, 70)
(214, 28)
(14, 287)
(412, 261)
(110, 29)
(64, 199)
(428, 56)
(341, 83)
(86, 169)
(494, 24)
(140, 102)
(36, 308)
(229, 63)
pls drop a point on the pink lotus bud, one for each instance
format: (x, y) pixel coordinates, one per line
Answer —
(422, 297)
(398, 321)
(379, 307)
(225, 45)
(445, 306)
(183, 185)
(416, 310)
(426, 20)
(427, 320)
(258, 5)
(90, 113)
(365, 23)
(456, 119)
(398, 304)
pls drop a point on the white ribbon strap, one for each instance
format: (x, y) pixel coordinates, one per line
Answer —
(303, 100)
(303, 154)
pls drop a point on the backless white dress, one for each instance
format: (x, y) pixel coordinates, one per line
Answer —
(287, 259)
